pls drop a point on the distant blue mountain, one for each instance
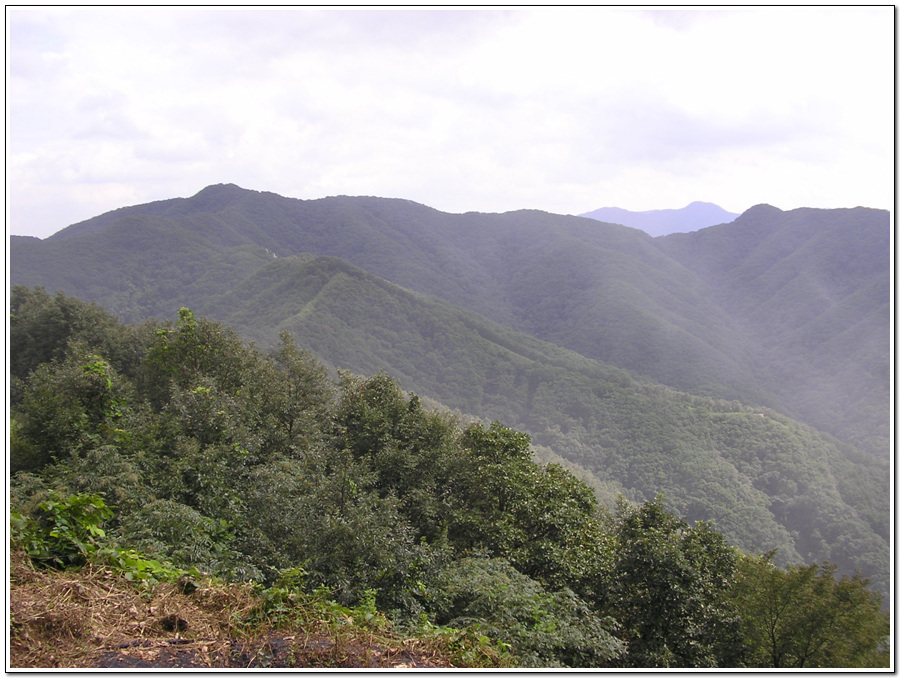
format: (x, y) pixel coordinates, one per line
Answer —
(695, 216)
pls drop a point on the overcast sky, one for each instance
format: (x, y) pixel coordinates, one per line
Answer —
(563, 110)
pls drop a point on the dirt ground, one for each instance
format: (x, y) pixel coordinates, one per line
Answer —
(274, 652)
(94, 619)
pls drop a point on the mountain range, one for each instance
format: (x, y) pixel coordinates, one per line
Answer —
(693, 217)
(742, 370)
(787, 310)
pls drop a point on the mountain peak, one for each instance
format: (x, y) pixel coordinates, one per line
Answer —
(218, 195)
(221, 188)
(763, 209)
(693, 217)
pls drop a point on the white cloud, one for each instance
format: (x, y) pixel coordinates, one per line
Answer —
(559, 109)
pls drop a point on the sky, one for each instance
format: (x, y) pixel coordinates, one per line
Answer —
(564, 110)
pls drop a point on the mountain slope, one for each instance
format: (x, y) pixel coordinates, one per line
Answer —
(693, 217)
(735, 311)
(811, 290)
(765, 482)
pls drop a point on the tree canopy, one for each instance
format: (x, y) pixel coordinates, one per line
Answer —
(197, 449)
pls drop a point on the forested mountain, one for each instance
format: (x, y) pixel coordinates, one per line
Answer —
(764, 480)
(693, 217)
(810, 291)
(171, 457)
(787, 310)
(780, 310)
(740, 371)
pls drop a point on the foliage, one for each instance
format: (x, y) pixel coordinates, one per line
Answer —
(667, 588)
(181, 535)
(254, 466)
(783, 309)
(68, 407)
(66, 530)
(805, 617)
(542, 628)
(42, 326)
(138, 568)
(715, 460)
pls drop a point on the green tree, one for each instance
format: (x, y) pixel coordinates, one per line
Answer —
(804, 617)
(291, 397)
(42, 326)
(543, 520)
(667, 589)
(371, 413)
(68, 407)
(551, 528)
(193, 348)
(495, 464)
(414, 453)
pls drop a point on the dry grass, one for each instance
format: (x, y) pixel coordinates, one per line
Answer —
(93, 618)
(72, 618)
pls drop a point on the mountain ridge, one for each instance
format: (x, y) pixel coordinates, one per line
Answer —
(626, 434)
(670, 308)
(692, 217)
(580, 332)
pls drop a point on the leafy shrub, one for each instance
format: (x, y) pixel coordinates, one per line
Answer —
(136, 567)
(186, 537)
(542, 628)
(66, 530)
(67, 533)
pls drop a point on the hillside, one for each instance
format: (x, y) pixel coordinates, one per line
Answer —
(688, 310)
(693, 217)
(633, 436)
(160, 461)
(731, 336)
(764, 481)
(811, 290)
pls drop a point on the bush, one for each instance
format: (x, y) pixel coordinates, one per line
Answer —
(188, 538)
(65, 531)
(542, 628)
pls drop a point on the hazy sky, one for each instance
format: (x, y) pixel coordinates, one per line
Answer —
(564, 110)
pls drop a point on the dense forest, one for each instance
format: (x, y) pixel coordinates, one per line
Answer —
(176, 442)
(783, 310)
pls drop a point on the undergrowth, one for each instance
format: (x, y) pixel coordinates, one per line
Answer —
(78, 601)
